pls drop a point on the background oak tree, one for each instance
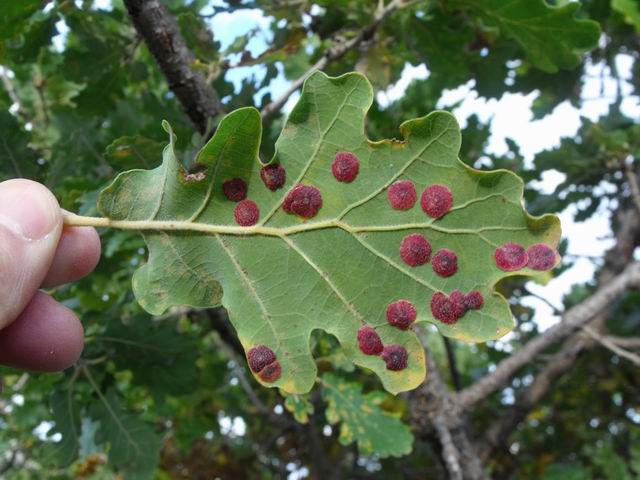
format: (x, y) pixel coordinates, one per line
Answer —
(85, 86)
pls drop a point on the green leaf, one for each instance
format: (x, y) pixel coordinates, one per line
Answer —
(133, 445)
(630, 10)
(551, 36)
(612, 465)
(299, 406)
(17, 158)
(284, 278)
(559, 471)
(198, 37)
(363, 421)
(157, 355)
(133, 152)
(66, 415)
(13, 16)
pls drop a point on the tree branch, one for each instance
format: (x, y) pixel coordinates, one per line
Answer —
(450, 453)
(336, 51)
(625, 342)
(453, 365)
(434, 408)
(575, 318)
(162, 35)
(560, 363)
(564, 360)
(605, 342)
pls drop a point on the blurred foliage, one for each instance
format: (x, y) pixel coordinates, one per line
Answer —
(81, 98)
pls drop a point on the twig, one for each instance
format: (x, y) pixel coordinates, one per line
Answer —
(336, 51)
(162, 35)
(242, 378)
(625, 342)
(450, 453)
(10, 463)
(453, 365)
(556, 310)
(573, 319)
(605, 342)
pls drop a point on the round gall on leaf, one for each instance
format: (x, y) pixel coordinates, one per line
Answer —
(246, 213)
(511, 257)
(415, 250)
(396, 357)
(402, 195)
(345, 167)
(235, 189)
(369, 341)
(436, 200)
(271, 372)
(474, 300)
(445, 262)
(457, 297)
(273, 176)
(401, 314)
(303, 200)
(541, 257)
(446, 309)
(259, 357)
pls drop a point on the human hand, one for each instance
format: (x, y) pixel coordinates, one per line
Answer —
(37, 332)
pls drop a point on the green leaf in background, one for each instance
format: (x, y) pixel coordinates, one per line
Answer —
(198, 37)
(299, 406)
(66, 415)
(363, 421)
(131, 152)
(156, 354)
(17, 158)
(551, 36)
(630, 9)
(286, 277)
(133, 445)
(14, 18)
(558, 471)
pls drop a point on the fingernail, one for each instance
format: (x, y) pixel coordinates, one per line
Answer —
(27, 209)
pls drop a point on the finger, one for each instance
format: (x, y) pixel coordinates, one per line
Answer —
(77, 254)
(46, 337)
(30, 226)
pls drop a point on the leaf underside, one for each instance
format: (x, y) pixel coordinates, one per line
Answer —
(286, 277)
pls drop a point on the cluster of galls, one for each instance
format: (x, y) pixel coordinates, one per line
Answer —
(263, 362)
(415, 250)
(302, 200)
(512, 257)
(449, 309)
(401, 315)
(395, 356)
(436, 200)
(247, 212)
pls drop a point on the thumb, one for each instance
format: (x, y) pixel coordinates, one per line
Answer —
(30, 228)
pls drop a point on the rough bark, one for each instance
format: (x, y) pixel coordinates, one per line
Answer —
(161, 33)
(435, 410)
